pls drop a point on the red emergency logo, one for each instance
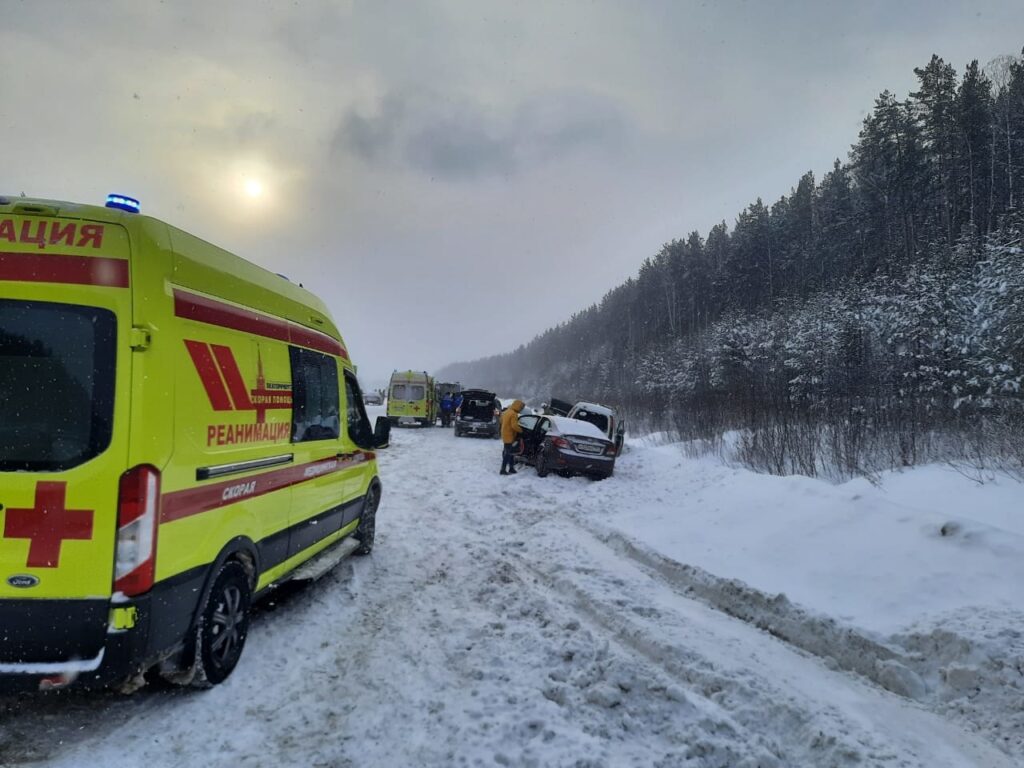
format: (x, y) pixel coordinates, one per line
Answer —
(227, 391)
(48, 524)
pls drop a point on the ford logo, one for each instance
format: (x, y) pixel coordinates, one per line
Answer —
(22, 581)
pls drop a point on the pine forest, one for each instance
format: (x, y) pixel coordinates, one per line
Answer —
(868, 320)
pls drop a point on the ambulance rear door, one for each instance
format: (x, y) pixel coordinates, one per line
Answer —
(65, 376)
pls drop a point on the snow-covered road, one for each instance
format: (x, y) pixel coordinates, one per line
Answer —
(497, 623)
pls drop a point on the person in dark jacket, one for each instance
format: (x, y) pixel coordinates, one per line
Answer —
(446, 409)
(510, 429)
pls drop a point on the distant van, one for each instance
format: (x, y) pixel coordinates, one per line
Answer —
(180, 431)
(412, 399)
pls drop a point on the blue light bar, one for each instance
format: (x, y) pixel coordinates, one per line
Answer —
(123, 203)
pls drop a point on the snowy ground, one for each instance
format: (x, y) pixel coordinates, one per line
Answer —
(636, 621)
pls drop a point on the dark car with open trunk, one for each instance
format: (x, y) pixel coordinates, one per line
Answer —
(479, 414)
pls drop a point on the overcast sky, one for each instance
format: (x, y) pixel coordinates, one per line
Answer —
(453, 177)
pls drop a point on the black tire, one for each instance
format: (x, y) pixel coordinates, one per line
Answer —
(458, 433)
(541, 464)
(223, 625)
(366, 529)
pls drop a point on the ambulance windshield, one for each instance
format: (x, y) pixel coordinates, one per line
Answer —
(56, 384)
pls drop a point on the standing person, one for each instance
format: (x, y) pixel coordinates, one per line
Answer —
(446, 409)
(456, 403)
(510, 430)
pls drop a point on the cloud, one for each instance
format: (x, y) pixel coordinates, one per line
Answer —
(464, 139)
(253, 127)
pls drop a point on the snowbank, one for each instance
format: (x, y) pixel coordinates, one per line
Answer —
(914, 582)
(920, 544)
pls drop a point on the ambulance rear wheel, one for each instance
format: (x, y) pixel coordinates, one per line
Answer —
(367, 523)
(223, 625)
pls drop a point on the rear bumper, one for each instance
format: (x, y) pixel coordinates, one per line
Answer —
(41, 640)
(403, 421)
(477, 427)
(575, 462)
(41, 631)
(69, 640)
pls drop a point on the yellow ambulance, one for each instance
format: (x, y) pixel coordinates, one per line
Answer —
(180, 431)
(411, 399)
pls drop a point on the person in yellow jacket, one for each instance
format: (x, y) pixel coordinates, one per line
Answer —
(510, 430)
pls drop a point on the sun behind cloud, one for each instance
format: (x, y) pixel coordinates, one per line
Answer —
(253, 188)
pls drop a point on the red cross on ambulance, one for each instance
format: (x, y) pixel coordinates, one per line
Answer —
(47, 525)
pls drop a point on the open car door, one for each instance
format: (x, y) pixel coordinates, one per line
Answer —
(530, 437)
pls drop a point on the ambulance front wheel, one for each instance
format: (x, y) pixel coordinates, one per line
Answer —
(223, 625)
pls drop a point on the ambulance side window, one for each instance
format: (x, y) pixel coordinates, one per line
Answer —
(359, 430)
(315, 396)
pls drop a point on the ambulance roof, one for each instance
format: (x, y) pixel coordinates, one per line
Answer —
(410, 376)
(198, 264)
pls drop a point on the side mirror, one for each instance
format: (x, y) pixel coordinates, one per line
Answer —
(382, 432)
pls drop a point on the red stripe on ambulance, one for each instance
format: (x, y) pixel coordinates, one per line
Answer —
(191, 306)
(233, 377)
(193, 501)
(202, 359)
(64, 268)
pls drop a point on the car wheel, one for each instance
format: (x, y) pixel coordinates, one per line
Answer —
(223, 625)
(367, 523)
(541, 464)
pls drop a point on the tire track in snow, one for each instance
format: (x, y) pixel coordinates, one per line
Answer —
(822, 728)
(901, 665)
(824, 716)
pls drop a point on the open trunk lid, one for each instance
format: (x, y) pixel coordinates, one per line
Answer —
(478, 405)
